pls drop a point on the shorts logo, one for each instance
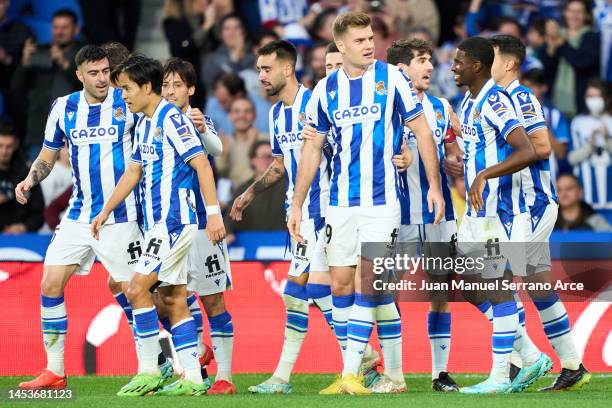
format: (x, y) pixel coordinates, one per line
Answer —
(118, 114)
(300, 250)
(135, 251)
(212, 263)
(217, 281)
(492, 244)
(394, 235)
(380, 88)
(154, 246)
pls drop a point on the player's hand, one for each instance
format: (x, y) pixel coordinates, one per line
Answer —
(309, 132)
(435, 201)
(17, 228)
(403, 160)
(29, 48)
(293, 224)
(97, 224)
(215, 228)
(197, 117)
(475, 194)
(453, 166)
(241, 203)
(22, 190)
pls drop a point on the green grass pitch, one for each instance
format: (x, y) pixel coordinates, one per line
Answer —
(99, 392)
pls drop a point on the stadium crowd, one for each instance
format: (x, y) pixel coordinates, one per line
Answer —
(568, 67)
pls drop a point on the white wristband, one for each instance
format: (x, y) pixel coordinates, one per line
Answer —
(212, 210)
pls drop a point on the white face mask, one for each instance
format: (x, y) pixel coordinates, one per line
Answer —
(595, 104)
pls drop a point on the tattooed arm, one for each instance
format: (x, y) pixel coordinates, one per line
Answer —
(40, 169)
(274, 173)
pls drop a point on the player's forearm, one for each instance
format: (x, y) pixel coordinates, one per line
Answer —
(307, 169)
(42, 166)
(128, 181)
(274, 173)
(541, 143)
(206, 179)
(560, 149)
(523, 155)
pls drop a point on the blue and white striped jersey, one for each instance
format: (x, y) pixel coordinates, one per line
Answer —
(413, 184)
(282, 11)
(164, 145)
(537, 183)
(99, 140)
(486, 122)
(366, 116)
(286, 123)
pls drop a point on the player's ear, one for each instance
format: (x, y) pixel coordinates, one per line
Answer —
(191, 90)
(341, 46)
(79, 74)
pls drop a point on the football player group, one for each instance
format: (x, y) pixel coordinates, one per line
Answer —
(368, 156)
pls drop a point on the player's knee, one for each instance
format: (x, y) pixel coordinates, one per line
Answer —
(439, 306)
(135, 291)
(114, 286)
(51, 288)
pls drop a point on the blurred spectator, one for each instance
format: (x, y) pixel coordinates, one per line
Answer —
(265, 212)
(226, 88)
(234, 53)
(574, 213)
(14, 217)
(46, 73)
(279, 13)
(321, 30)
(315, 65)
(592, 146)
(234, 163)
(111, 20)
(59, 179)
(603, 18)
(558, 125)
(481, 16)
(12, 39)
(402, 16)
(571, 56)
(382, 38)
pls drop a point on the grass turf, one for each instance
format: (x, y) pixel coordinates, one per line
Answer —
(99, 392)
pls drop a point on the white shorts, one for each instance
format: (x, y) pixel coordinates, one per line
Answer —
(495, 243)
(541, 225)
(309, 256)
(165, 253)
(118, 248)
(208, 266)
(349, 227)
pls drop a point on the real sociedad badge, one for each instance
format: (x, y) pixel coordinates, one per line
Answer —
(118, 113)
(380, 88)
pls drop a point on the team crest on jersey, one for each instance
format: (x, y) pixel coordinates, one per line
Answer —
(118, 113)
(157, 134)
(476, 115)
(380, 88)
(439, 116)
(302, 118)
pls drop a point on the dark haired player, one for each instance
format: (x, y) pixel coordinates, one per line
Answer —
(541, 200)
(167, 156)
(96, 124)
(496, 149)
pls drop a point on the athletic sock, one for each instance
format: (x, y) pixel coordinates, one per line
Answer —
(359, 330)
(222, 336)
(196, 313)
(147, 328)
(341, 309)
(321, 295)
(54, 327)
(184, 338)
(296, 304)
(523, 345)
(439, 331)
(557, 328)
(505, 323)
(390, 336)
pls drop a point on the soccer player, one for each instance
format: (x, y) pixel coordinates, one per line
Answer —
(208, 267)
(541, 201)
(96, 124)
(414, 58)
(366, 103)
(496, 149)
(308, 276)
(167, 155)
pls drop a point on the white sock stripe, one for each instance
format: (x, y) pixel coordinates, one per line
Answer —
(142, 310)
(181, 322)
